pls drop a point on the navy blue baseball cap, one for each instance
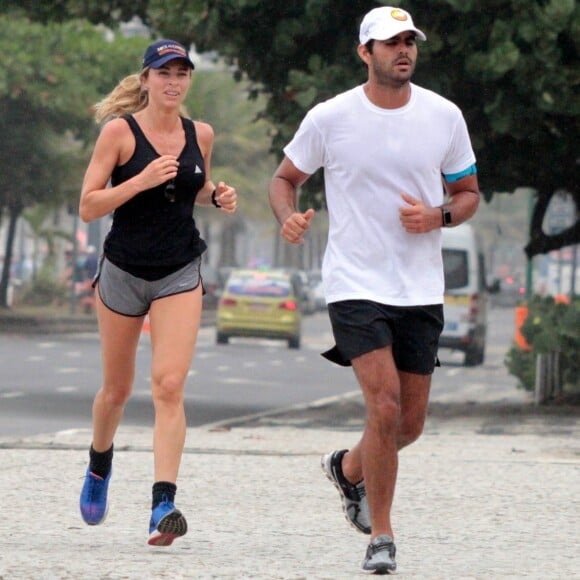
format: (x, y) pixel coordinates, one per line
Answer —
(163, 51)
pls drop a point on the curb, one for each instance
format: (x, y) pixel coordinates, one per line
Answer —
(43, 325)
(20, 324)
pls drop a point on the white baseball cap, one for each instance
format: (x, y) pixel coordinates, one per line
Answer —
(385, 22)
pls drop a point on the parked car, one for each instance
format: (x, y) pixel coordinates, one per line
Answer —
(315, 281)
(319, 297)
(304, 290)
(466, 294)
(256, 303)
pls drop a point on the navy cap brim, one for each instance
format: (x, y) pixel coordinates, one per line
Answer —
(159, 62)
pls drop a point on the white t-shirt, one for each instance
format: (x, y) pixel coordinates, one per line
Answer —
(370, 155)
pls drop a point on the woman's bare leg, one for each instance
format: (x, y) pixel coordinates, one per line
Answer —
(175, 324)
(119, 340)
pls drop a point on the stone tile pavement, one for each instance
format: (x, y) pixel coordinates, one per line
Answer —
(486, 493)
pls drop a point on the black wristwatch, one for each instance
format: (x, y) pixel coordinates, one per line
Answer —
(213, 199)
(446, 215)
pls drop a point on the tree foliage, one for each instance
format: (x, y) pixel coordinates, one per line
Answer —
(49, 90)
(241, 139)
(51, 75)
(511, 65)
(108, 12)
(550, 326)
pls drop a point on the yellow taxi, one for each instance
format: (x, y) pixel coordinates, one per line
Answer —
(257, 303)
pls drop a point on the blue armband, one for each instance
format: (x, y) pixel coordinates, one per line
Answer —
(451, 177)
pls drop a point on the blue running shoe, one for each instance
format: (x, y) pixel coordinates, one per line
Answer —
(94, 503)
(167, 523)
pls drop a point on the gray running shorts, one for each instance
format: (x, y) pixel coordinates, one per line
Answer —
(128, 295)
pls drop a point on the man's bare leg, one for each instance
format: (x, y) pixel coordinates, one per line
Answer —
(397, 404)
(414, 400)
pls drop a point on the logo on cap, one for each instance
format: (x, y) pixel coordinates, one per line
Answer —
(399, 15)
(163, 51)
(171, 48)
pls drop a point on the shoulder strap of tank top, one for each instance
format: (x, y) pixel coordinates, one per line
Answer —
(140, 137)
(131, 122)
(189, 128)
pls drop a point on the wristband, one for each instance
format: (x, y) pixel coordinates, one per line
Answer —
(213, 199)
(445, 217)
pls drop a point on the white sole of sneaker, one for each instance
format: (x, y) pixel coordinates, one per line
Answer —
(325, 465)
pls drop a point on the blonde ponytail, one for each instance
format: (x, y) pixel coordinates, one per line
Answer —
(127, 97)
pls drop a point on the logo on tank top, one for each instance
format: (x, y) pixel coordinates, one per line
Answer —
(197, 169)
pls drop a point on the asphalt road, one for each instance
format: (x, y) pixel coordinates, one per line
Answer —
(47, 382)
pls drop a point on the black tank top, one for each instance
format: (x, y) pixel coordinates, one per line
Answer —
(150, 237)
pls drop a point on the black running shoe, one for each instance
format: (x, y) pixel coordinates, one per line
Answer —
(354, 498)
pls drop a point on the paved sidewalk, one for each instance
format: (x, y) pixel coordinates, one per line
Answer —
(487, 494)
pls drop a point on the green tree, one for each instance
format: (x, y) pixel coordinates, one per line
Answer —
(109, 12)
(511, 65)
(38, 220)
(77, 63)
(240, 153)
(28, 174)
(523, 60)
(46, 93)
(242, 139)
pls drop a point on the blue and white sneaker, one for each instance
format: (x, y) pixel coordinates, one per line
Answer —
(167, 523)
(94, 503)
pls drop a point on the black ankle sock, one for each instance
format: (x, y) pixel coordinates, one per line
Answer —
(163, 491)
(100, 462)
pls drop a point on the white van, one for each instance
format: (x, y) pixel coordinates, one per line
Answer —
(466, 294)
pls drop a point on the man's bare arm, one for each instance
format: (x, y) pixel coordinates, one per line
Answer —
(283, 197)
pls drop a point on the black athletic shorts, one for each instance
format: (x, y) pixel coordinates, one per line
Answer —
(361, 326)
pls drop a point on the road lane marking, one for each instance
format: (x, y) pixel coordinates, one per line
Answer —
(242, 381)
(47, 344)
(12, 395)
(282, 410)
